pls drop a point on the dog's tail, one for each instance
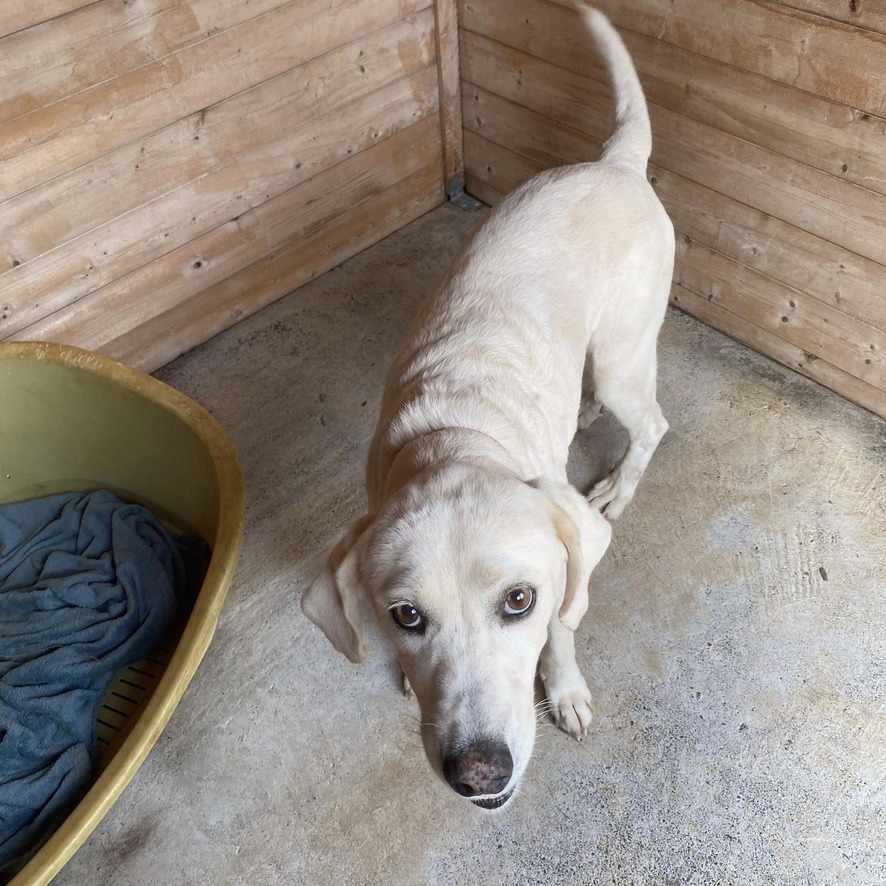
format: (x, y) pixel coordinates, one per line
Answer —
(631, 143)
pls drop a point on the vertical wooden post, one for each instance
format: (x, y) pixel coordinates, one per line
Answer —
(450, 95)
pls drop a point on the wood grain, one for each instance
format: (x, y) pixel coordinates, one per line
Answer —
(819, 329)
(834, 275)
(208, 260)
(80, 266)
(818, 55)
(208, 145)
(497, 167)
(119, 111)
(833, 209)
(450, 88)
(214, 309)
(68, 205)
(870, 14)
(16, 15)
(815, 131)
(63, 56)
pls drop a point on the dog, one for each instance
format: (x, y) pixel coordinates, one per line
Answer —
(476, 552)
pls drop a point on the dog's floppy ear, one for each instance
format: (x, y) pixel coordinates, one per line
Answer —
(332, 602)
(585, 534)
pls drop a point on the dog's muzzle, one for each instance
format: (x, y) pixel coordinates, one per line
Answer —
(481, 770)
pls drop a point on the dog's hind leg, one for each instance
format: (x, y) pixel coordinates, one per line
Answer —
(625, 385)
(569, 698)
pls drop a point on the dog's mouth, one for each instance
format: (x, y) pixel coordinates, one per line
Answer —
(494, 802)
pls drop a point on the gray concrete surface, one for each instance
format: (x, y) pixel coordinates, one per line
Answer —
(735, 643)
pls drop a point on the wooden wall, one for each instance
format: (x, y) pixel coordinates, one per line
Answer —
(769, 130)
(168, 167)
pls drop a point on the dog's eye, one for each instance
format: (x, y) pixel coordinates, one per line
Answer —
(519, 600)
(408, 617)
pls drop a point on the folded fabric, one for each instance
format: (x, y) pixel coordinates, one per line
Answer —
(88, 584)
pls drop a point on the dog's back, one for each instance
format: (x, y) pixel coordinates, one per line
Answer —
(501, 346)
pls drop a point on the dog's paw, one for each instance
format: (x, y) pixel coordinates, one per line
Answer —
(610, 496)
(588, 412)
(407, 686)
(573, 710)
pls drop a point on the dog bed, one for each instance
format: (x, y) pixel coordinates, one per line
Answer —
(88, 584)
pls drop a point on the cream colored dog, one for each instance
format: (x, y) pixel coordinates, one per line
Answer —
(476, 552)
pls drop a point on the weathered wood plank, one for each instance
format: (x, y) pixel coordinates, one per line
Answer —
(805, 261)
(450, 88)
(568, 81)
(63, 208)
(575, 100)
(539, 138)
(784, 352)
(842, 279)
(63, 275)
(121, 110)
(63, 57)
(218, 307)
(835, 210)
(870, 14)
(481, 190)
(16, 15)
(498, 168)
(127, 303)
(828, 334)
(824, 57)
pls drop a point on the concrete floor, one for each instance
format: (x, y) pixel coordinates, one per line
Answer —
(735, 643)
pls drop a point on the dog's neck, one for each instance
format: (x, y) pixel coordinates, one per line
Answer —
(446, 445)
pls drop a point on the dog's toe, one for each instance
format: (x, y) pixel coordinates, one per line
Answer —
(609, 497)
(573, 711)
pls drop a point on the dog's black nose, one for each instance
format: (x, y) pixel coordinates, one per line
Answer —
(481, 768)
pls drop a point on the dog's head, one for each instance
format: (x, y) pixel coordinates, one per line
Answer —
(465, 568)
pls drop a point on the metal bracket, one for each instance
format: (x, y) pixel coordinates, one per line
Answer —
(456, 189)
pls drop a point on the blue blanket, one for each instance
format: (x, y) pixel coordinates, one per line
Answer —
(88, 584)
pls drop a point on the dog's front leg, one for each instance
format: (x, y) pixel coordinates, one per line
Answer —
(569, 698)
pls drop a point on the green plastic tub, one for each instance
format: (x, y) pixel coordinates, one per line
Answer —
(73, 420)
